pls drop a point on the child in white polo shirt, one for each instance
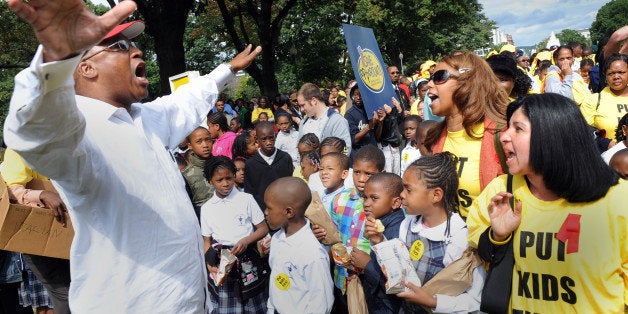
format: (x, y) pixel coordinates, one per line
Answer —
(227, 221)
(300, 281)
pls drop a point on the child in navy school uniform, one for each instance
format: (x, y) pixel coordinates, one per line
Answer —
(267, 164)
(382, 201)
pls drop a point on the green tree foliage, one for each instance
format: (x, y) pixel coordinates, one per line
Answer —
(567, 35)
(311, 46)
(423, 29)
(609, 18)
(166, 22)
(259, 23)
(17, 47)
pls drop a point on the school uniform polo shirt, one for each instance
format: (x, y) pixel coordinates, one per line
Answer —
(229, 219)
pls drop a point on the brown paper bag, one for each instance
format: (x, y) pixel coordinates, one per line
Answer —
(457, 277)
(355, 297)
(318, 215)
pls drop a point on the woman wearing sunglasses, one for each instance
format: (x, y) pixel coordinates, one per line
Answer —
(564, 214)
(464, 90)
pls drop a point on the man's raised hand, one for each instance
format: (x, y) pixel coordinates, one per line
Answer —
(66, 28)
(245, 58)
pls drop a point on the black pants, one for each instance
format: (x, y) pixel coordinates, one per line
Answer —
(54, 274)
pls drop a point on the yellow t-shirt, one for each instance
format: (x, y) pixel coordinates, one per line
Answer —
(467, 149)
(414, 108)
(297, 173)
(580, 90)
(536, 86)
(547, 279)
(608, 114)
(15, 171)
(258, 110)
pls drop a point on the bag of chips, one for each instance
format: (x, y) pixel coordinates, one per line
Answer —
(226, 263)
(394, 259)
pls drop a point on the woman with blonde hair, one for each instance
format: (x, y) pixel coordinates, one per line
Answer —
(464, 90)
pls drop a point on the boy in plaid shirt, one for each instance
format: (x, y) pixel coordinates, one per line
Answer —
(348, 212)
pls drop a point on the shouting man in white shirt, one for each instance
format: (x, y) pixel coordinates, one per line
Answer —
(75, 118)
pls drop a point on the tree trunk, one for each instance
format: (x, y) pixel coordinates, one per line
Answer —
(270, 87)
(165, 22)
(268, 33)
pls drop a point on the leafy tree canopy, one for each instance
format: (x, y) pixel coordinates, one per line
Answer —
(609, 18)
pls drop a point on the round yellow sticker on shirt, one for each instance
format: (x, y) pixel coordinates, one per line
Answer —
(282, 281)
(416, 250)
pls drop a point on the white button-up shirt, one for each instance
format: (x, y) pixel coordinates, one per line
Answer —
(137, 244)
(300, 281)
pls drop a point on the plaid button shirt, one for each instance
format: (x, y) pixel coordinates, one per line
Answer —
(348, 215)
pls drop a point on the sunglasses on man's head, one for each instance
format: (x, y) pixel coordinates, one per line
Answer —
(442, 76)
(120, 45)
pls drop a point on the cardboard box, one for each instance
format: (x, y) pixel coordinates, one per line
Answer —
(33, 230)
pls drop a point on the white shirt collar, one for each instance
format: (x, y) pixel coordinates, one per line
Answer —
(215, 199)
(268, 159)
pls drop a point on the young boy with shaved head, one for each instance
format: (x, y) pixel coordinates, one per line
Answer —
(299, 280)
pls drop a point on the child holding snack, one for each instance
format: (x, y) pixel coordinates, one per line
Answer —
(435, 233)
(300, 280)
(348, 212)
(333, 172)
(227, 221)
(382, 205)
(330, 144)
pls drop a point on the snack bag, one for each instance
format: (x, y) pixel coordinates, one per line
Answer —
(340, 254)
(263, 245)
(227, 260)
(394, 259)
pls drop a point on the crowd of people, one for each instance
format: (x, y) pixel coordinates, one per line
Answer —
(522, 165)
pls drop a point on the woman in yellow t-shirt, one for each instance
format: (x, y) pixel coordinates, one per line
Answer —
(604, 110)
(464, 90)
(262, 107)
(569, 225)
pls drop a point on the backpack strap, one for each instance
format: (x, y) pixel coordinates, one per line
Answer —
(509, 190)
(499, 149)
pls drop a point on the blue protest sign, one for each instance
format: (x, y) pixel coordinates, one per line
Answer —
(368, 67)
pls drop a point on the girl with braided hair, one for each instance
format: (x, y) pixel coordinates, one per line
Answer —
(435, 233)
(308, 143)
